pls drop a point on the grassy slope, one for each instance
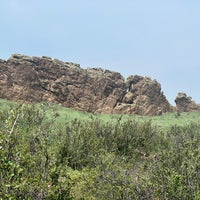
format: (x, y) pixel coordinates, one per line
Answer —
(62, 114)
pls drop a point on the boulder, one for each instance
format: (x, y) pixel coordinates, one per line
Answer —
(185, 103)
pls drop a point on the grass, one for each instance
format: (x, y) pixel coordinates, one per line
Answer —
(171, 119)
(62, 115)
(5, 104)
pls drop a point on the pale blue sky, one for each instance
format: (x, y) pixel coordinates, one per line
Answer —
(156, 38)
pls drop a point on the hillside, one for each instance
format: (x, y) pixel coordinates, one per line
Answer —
(58, 114)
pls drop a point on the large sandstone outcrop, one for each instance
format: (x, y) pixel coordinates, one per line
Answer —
(35, 79)
(185, 103)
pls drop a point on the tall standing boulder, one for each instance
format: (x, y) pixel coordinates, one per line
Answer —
(185, 103)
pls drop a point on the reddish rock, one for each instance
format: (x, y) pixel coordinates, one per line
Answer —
(35, 79)
(144, 97)
(185, 103)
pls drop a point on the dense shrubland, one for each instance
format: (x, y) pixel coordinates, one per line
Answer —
(41, 158)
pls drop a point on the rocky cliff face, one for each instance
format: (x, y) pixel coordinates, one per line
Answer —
(143, 97)
(185, 103)
(34, 79)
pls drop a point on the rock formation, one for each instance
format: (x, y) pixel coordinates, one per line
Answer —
(35, 79)
(143, 97)
(185, 103)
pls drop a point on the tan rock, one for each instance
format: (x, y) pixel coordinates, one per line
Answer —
(35, 79)
(185, 103)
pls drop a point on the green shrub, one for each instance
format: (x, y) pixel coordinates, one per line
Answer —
(44, 158)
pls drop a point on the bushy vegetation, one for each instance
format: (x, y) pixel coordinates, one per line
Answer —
(44, 155)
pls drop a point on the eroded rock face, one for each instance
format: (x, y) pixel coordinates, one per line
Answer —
(143, 97)
(34, 79)
(185, 103)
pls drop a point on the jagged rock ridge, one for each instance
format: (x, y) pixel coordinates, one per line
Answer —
(35, 79)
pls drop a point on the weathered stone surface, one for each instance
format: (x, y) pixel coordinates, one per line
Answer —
(185, 103)
(144, 97)
(34, 79)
